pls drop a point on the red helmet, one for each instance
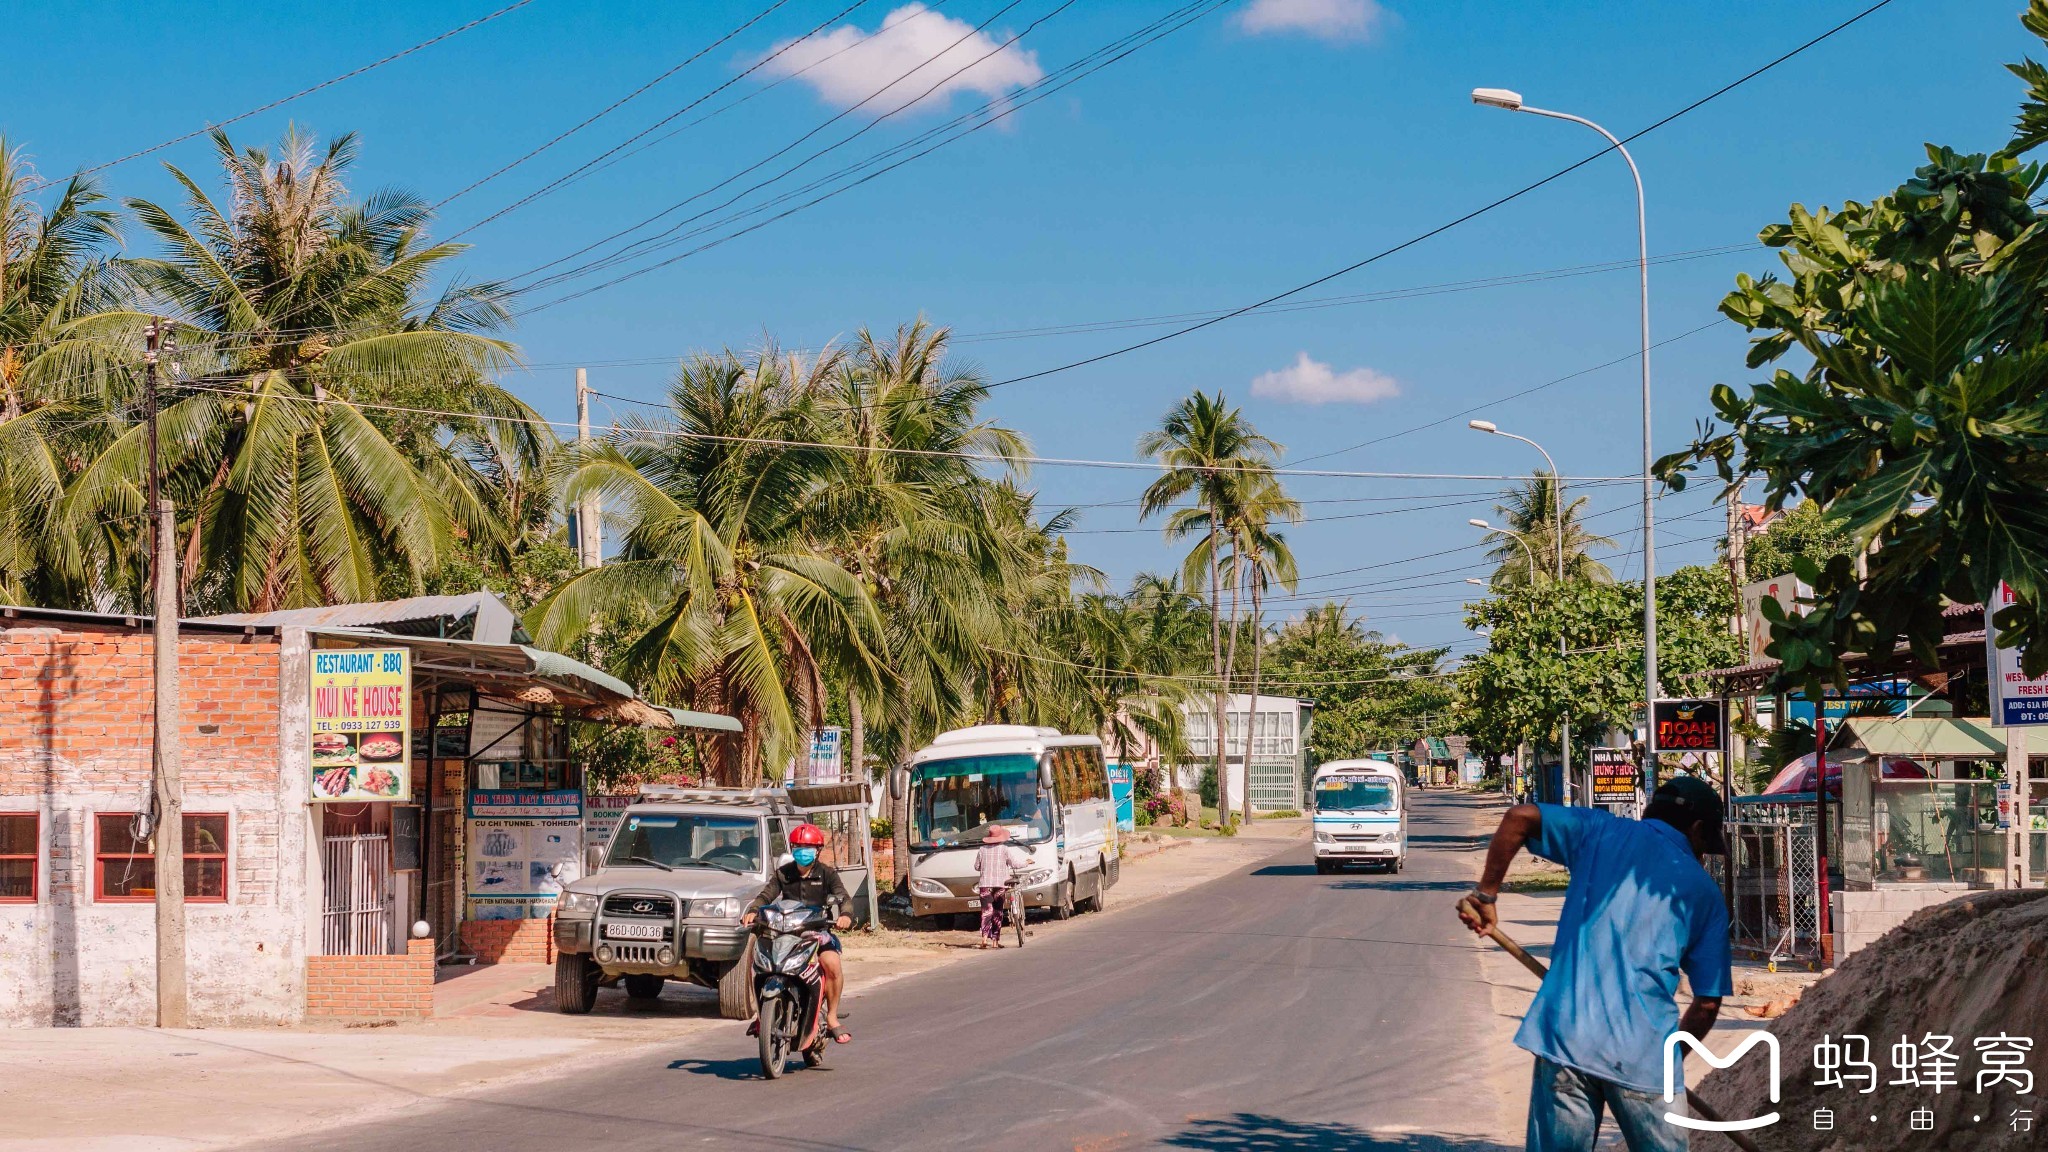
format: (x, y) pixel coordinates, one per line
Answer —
(809, 835)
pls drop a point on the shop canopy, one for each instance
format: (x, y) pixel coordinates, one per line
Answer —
(1933, 738)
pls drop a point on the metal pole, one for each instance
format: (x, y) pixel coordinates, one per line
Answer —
(1564, 756)
(1649, 492)
(169, 827)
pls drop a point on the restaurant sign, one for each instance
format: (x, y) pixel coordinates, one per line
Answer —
(1689, 726)
(2017, 699)
(362, 710)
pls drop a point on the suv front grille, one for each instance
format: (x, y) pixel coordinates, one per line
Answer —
(633, 953)
(648, 906)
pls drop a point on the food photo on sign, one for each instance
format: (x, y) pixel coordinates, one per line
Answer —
(361, 716)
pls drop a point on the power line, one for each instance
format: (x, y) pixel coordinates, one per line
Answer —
(304, 92)
(606, 111)
(1007, 108)
(1442, 228)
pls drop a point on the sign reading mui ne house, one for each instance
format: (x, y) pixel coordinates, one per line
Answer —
(362, 711)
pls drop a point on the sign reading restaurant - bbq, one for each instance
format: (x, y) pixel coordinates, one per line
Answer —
(362, 710)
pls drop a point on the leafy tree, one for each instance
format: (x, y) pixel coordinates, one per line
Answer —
(1802, 532)
(1530, 513)
(1522, 688)
(1371, 694)
(1919, 425)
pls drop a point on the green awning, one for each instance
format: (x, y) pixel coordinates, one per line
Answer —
(1438, 750)
(716, 722)
(1935, 738)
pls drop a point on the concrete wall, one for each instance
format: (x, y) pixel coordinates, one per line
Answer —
(75, 722)
(1861, 917)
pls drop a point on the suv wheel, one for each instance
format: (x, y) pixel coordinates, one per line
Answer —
(576, 977)
(736, 986)
(644, 987)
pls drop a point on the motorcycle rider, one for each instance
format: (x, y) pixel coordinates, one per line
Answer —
(808, 881)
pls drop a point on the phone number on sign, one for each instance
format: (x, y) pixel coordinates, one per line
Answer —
(357, 726)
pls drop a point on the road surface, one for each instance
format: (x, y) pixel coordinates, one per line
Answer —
(1271, 1009)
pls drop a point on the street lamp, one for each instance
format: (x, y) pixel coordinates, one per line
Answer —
(1564, 739)
(1512, 101)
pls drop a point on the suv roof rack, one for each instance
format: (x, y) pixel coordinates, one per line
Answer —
(772, 798)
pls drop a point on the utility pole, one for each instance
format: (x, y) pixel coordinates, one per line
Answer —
(589, 532)
(169, 826)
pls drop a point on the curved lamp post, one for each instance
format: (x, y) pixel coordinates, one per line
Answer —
(1512, 101)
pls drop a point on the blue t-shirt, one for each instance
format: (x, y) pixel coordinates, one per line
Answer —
(1638, 910)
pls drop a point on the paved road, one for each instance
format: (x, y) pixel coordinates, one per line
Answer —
(1271, 1009)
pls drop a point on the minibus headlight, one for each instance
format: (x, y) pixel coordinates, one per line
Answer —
(927, 887)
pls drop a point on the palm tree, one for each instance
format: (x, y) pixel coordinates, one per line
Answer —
(748, 607)
(303, 319)
(1530, 512)
(1268, 561)
(1206, 446)
(52, 272)
(902, 513)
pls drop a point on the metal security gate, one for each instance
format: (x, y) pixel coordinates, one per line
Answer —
(1777, 881)
(355, 917)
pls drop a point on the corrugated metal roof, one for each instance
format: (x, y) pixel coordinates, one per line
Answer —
(489, 612)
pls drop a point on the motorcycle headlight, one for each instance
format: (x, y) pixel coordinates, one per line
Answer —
(722, 909)
(577, 904)
(927, 887)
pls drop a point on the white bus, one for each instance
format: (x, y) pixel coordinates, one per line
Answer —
(1359, 814)
(1051, 791)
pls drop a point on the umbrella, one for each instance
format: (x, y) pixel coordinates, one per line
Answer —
(1797, 777)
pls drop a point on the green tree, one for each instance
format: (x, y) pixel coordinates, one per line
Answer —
(1266, 561)
(1529, 511)
(1918, 424)
(1207, 448)
(1371, 694)
(1802, 532)
(297, 315)
(748, 610)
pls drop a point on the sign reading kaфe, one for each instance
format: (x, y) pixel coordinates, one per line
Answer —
(362, 711)
(1688, 726)
(1615, 776)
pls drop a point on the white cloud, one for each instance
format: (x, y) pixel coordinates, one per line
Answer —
(1309, 381)
(847, 65)
(1322, 19)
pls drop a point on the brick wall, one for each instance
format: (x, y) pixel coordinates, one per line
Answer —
(76, 710)
(510, 941)
(380, 987)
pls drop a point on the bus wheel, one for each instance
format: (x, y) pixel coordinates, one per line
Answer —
(1323, 868)
(1063, 906)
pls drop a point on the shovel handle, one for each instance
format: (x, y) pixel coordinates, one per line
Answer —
(1699, 1107)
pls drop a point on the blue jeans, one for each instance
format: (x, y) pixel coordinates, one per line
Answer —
(1565, 1107)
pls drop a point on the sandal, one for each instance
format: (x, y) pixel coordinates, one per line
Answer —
(839, 1035)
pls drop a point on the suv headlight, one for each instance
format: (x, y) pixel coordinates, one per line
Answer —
(927, 887)
(577, 904)
(722, 909)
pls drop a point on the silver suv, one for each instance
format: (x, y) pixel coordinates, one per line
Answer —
(663, 899)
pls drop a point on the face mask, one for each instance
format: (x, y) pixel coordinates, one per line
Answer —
(804, 857)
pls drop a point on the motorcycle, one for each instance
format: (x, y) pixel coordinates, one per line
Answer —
(789, 983)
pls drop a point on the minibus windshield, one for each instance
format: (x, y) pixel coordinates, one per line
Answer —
(955, 802)
(1354, 794)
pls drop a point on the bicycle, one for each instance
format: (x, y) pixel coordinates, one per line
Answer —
(1013, 907)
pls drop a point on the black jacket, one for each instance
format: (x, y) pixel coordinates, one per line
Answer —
(822, 887)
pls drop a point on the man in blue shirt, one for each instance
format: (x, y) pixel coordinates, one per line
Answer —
(1639, 910)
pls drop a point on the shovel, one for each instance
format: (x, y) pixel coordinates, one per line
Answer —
(1700, 1107)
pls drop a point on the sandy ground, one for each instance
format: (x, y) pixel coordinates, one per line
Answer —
(145, 1090)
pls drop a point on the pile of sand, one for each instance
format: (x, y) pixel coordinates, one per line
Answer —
(1977, 966)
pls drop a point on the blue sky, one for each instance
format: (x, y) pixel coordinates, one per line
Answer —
(1268, 143)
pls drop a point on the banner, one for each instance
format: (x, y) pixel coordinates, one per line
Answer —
(601, 815)
(362, 711)
(822, 765)
(1616, 778)
(1786, 590)
(1688, 726)
(1121, 781)
(523, 848)
(2016, 700)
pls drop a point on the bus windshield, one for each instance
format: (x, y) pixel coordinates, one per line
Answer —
(1354, 794)
(955, 802)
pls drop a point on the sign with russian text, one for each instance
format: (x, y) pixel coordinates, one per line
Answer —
(1615, 776)
(523, 847)
(1688, 726)
(2016, 699)
(362, 711)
